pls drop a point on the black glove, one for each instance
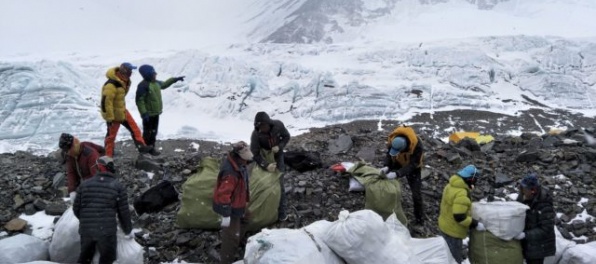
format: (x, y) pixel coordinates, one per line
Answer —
(181, 78)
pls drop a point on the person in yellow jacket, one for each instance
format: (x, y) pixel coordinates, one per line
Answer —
(113, 108)
(456, 208)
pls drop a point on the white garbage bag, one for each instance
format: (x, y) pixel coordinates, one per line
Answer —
(355, 186)
(503, 219)
(22, 248)
(41, 262)
(580, 254)
(66, 241)
(363, 237)
(289, 246)
(433, 250)
(128, 250)
(562, 246)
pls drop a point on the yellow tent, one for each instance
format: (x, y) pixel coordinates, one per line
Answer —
(480, 139)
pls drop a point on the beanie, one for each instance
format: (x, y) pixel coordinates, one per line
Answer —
(468, 172)
(530, 181)
(147, 71)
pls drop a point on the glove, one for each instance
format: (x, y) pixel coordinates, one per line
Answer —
(520, 236)
(384, 170)
(181, 78)
(145, 117)
(271, 167)
(225, 221)
(275, 149)
(109, 123)
(480, 227)
(73, 195)
(391, 175)
(130, 236)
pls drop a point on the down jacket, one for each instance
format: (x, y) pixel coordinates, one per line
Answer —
(113, 95)
(99, 200)
(540, 241)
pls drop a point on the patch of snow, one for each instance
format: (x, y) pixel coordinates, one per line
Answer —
(570, 141)
(3, 234)
(584, 216)
(178, 150)
(557, 187)
(176, 261)
(42, 225)
(582, 201)
(560, 177)
(513, 196)
(559, 215)
(195, 146)
(150, 175)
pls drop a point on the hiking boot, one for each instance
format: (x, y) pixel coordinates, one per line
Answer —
(144, 149)
(154, 152)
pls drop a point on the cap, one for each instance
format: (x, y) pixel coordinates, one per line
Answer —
(530, 181)
(243, 150)
(469, 171)
(65, 141)
(397, 145)
(128, 65)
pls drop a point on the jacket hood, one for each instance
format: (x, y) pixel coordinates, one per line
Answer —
(458, 182)
(147, 72)
(262, 117)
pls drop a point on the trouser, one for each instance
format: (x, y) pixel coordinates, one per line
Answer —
(535, 261)
(283, 200)
(150, 130)
(105, 244)
(130, 124)
(415, 183)
(455, 246)
(230, 240)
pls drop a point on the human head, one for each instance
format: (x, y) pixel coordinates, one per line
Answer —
(262, 122)
(106, 164)
(530, 186)
(242, 150)
(398, 144)
(65, 142)
(148, 72)
(126, 69)
(469, 174)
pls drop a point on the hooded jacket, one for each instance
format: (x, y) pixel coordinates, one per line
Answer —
(540, 240)
(113, 94)
(81, 163)
(408, 160)
(148, 97)
(456, 201)
(278, 135)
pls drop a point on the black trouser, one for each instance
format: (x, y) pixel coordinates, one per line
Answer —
(230, 240)
(150, 130)
(105, 244)
(415, 182)
(455, 246)
(283, 200)
(535, 261)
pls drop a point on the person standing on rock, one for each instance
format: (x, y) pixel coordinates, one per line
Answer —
(150, 104)
(538, 238)
(101, 199)
(404, 158)
(230, 199)
(455, 212)
(271, 135)
(80, 161)
(113, 108)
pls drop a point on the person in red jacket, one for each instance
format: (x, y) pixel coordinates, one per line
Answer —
(230, 197)
(80, 160)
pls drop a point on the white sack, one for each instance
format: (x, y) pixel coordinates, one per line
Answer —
(41, 262)
(22, 248)
(580, 254)
(128, 250)
(562, 246)
(66, 241)
(503, 219)
(363, 237)
(432, 250)
(355, 186)
(289, 246)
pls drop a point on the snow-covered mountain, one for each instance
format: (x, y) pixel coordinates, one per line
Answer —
(365, 60)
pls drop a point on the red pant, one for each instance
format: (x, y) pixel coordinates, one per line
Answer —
(129, 124)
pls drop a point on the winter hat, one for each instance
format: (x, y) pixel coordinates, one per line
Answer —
(147, 71)
(243, 150)
(469, 171)
(530, 181)
(65, 141)
(261, 118)
(126, 68)
(106, 164)
(397, 145)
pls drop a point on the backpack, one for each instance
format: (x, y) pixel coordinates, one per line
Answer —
(156, 198)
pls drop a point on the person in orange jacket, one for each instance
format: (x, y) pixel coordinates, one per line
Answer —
(113, 108)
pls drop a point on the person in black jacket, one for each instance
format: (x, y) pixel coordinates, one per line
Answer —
(99, 200)
(271, 135)
(404, 158)
(538, 237)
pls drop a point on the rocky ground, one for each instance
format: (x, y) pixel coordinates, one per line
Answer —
(565, 163)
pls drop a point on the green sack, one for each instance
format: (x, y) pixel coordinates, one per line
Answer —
(265, 194)
(382, 195)
(196, 210)
(486, 248)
